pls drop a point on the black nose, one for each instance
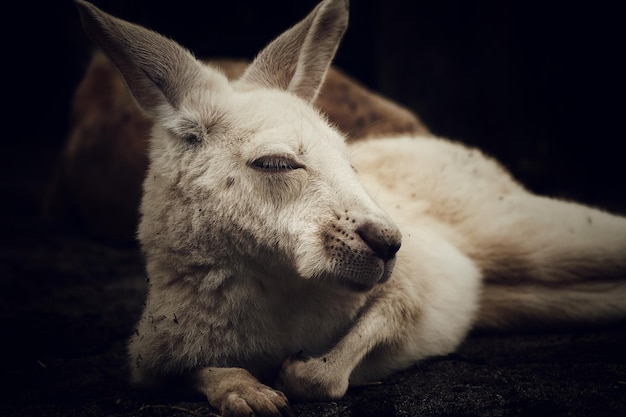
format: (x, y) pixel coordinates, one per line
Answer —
(384, 241)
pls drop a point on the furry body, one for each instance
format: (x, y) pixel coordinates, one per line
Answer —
(278, 254)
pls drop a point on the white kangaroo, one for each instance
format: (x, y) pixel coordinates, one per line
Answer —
(279, 255)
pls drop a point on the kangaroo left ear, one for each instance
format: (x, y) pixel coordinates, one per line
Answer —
(158, 71)
(298, 59)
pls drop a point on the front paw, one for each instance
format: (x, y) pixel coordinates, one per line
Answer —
(312, 379)
(256, 400)
(236, 393)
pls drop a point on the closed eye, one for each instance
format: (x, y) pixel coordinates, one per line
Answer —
(275, 163)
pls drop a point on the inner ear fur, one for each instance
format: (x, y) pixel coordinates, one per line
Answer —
(297, 61)
(158, 71)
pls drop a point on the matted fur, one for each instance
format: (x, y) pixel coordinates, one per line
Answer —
(279, 255)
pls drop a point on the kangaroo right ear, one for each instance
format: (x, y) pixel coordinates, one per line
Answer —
(158, 71)
(298, 59)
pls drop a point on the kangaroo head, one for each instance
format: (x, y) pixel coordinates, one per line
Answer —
(247, 176)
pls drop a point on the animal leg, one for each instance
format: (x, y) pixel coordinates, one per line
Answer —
(425, 309)
(555, 262)
(236, 393)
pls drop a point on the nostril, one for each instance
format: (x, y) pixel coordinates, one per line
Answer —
(384, 242)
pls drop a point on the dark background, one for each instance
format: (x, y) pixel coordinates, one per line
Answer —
(537, 84)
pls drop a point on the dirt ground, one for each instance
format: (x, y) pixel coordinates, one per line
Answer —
(69, 302)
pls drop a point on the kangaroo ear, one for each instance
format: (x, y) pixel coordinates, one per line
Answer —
(157, 70)
(298, 59)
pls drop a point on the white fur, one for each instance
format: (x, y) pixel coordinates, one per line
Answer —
(270, 243)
